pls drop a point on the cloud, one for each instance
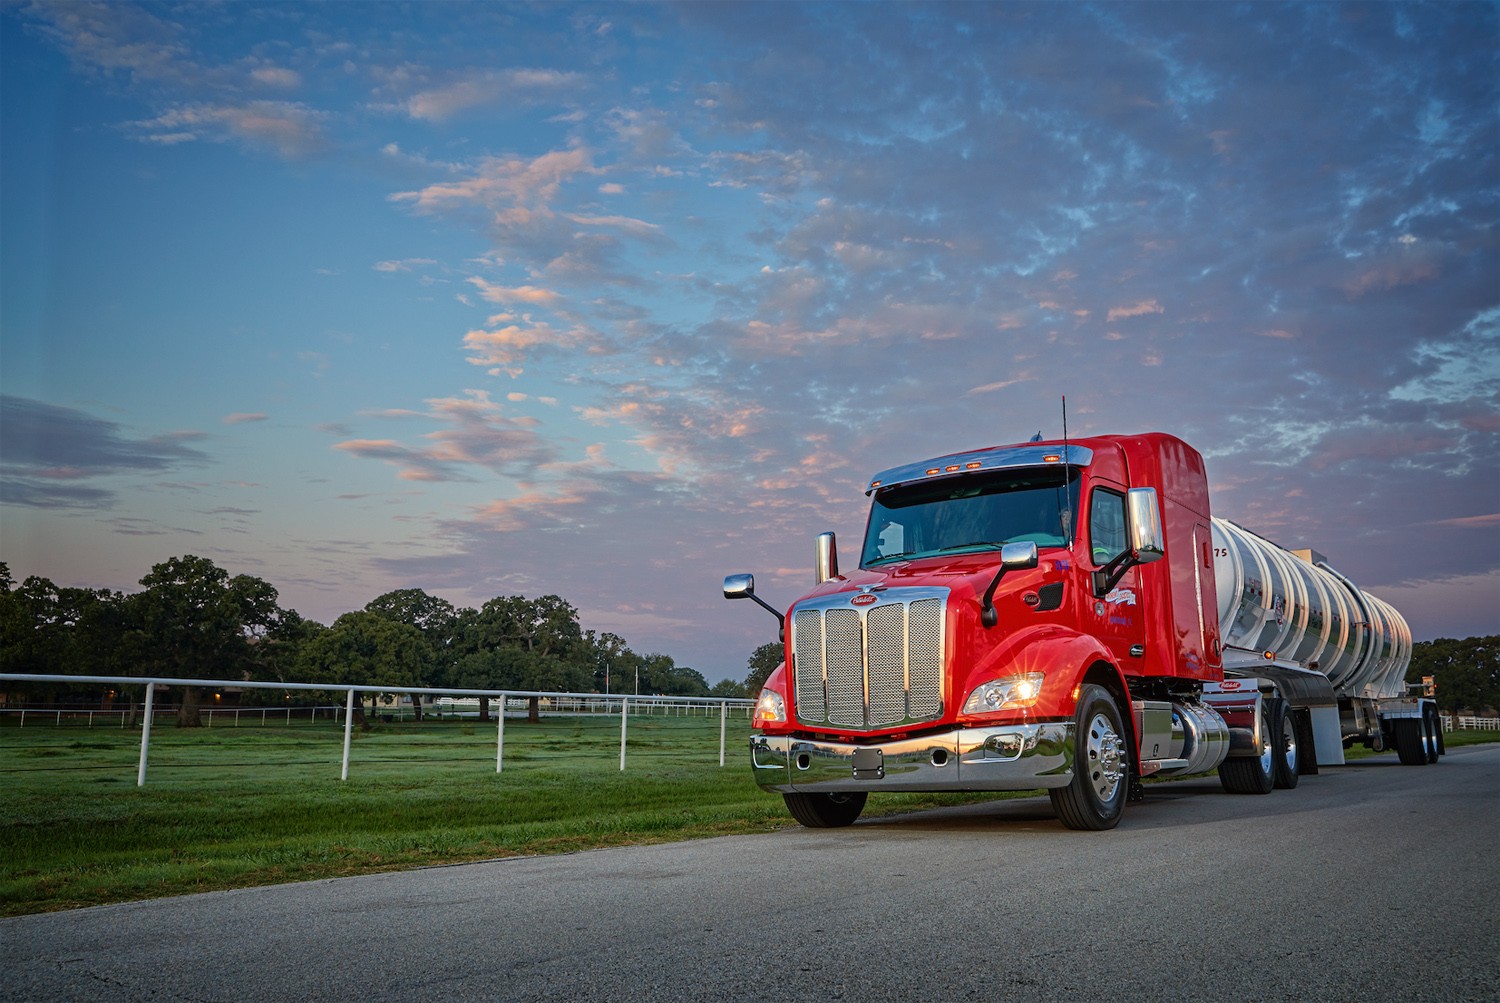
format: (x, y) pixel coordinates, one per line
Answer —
(478, 433)
(243, 417)
(289, 129)
(516, 183)
(514, 294)
(1140, 309)
(46, 451)
(484, 88)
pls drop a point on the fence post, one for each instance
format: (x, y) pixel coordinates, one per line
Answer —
(140, 773)
(723, 722)
(500, 733)
(624, 709)
(348, 731)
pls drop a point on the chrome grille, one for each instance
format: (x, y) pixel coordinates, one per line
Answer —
(876, 666)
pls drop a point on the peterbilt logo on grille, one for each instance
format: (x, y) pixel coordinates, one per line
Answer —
(864, 599)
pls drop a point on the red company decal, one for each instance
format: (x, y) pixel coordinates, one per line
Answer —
(864, 599)
(1230, 684)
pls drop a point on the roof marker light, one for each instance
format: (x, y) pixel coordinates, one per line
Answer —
(1051, 458)
(950, 468)
(973, 465)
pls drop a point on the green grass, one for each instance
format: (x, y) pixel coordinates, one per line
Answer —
(233, 807)
(228, 808)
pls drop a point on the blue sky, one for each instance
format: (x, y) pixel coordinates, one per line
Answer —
(611, 300)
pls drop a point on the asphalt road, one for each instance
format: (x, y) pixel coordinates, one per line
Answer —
(1370, 882)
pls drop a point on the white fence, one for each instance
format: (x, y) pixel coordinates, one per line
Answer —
(504, 701)
(1463, 723)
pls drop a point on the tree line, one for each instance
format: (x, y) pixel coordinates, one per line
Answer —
(192, 620)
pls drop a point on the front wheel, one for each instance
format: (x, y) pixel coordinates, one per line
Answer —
(825, 811)
(1095, 798)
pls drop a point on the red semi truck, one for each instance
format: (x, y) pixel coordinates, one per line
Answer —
(1068, 616)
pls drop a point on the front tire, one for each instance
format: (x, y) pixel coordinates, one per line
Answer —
(825, 811)
(1094, 799)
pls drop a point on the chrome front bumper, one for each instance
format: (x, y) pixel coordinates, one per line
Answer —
(1016, 757)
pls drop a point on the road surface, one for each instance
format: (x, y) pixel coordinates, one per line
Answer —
(1371, 881)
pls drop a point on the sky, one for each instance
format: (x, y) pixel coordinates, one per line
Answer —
(609, 301)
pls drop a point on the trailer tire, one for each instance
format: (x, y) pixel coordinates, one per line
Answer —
(1095, 798)
(1411, 743)
(1434, 730)
(1254, 774)
(1284, 735)
(826, 811)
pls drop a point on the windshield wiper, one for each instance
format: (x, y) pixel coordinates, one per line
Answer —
(977, 544)
(891, 557)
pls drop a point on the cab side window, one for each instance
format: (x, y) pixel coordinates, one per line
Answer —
(1107, 536)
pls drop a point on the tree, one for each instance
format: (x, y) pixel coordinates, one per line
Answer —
(197, 622)
(1466, 673)
(365, 649)
(729, 689)
(609, 661)
(668, 678)
(546, 629)
(763, 661)
(437, 621)
(34, 625)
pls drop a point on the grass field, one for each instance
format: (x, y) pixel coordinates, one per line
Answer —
(231, 807)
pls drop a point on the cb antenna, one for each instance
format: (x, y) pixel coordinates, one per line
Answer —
(1067, 515)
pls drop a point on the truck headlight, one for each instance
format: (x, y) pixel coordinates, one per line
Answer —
(770, 708)
(1009, 693)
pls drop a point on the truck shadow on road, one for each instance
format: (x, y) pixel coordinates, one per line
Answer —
(1174, 804)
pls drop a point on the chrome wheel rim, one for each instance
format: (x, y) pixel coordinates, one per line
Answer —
(1106, 758)
(1289, 741)
(1266, 757)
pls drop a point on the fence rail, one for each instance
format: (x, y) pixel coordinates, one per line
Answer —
(505, 702)
(1465, 722)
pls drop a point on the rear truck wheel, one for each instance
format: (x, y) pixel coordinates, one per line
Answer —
(1411, 748)
(826, 811)
(1254, 774)
(1285, 737)
(1095, 798)
(1434, 729)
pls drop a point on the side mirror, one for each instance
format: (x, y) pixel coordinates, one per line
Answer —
(743, 587)
(1147, 541)
(739, 586)
(1013, 557)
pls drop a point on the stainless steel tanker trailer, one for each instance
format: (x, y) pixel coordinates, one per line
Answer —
(1332, 648)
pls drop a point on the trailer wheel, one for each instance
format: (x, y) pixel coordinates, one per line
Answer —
(1411, 740)
(1095, 798)
(1434, 729)
(1253, 774)
(1285, 737)
(826, 811)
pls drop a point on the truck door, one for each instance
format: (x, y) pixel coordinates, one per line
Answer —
(1117, 617)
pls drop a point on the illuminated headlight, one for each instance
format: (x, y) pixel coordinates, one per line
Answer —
(770, 707)
(1010, 693)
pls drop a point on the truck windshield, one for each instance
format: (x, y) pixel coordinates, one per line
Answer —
(972, 513)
